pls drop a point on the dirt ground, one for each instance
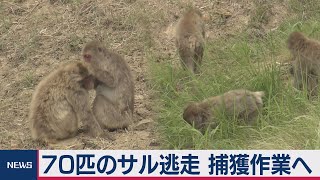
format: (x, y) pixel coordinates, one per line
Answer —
(37, 36)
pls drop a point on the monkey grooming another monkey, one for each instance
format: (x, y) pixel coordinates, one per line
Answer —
(60, 101)
(190, 34)
(113, 105)
(241, 103)
(306, 62)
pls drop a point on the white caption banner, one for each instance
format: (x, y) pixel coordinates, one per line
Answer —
(71, 163)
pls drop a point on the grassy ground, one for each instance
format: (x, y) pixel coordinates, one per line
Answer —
(258, 63)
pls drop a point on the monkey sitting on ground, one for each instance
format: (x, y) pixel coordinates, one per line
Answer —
(190, 34)
(242, 104)
(60, 101)
(306, 62)
(113, 105)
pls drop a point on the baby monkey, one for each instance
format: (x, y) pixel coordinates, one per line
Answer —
(190, 34)
(241, 103)
(60, 101)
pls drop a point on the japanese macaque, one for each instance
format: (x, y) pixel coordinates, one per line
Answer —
(113, 105)
(60, 102)
(306, 62)
(241, 104)
(190, 34)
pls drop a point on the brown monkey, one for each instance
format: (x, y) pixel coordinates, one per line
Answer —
(113, 105)
(242, 104)
(60, 101)
(306, 64)
(190, 34)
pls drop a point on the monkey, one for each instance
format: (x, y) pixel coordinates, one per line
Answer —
(305, 65)
(114, 101)
(60, 102)
(241, 104)
(189, 39)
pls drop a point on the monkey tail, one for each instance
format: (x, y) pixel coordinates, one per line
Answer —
(197, 51)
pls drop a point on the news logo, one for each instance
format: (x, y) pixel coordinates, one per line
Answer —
(166, 163)
(18, 164)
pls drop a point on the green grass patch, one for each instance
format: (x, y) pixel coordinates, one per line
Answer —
(288, 121)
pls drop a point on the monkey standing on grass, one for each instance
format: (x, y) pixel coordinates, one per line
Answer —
(306, 62)
(190, 34)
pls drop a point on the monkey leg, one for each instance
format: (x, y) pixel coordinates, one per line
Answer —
(55, 129)
(108, 114)
(186, 56)
(57, 137)
(197, 64)
(82, 109)
(91, 125)
(189, 64)
(312, 85)
(198, 57)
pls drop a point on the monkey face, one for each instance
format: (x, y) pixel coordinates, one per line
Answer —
(87, 58)
(197, 116)
(90, 55)
(93, 52)
(295, 40)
